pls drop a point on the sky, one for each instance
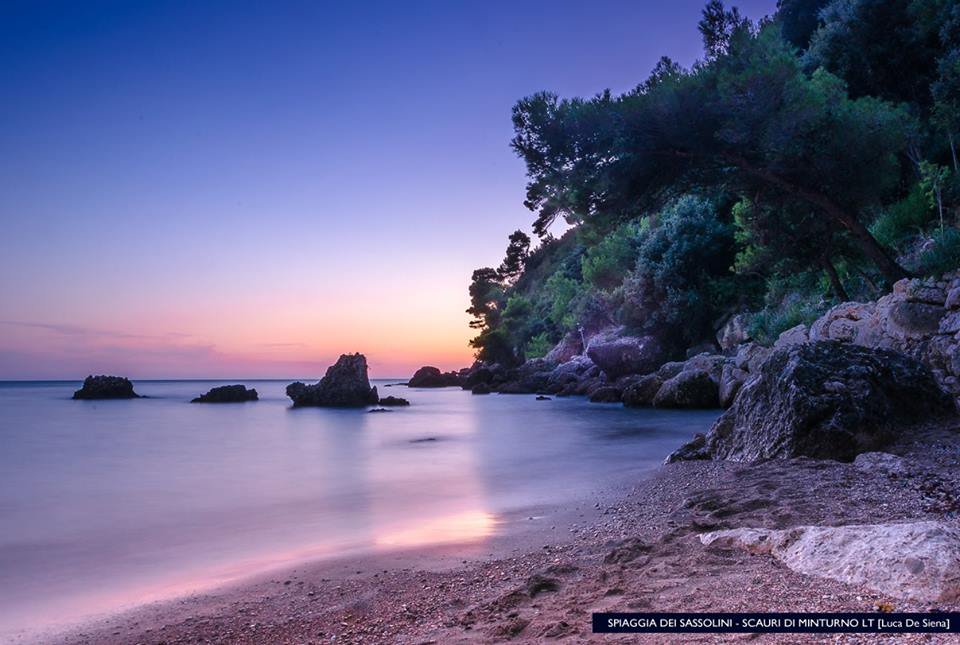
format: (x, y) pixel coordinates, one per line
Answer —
(250, 189)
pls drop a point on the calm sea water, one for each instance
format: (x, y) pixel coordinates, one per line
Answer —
(107, 503)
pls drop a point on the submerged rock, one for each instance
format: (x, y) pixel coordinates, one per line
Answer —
(606, 394)
(394, 400)
(825, 400)
(106, 387)
(481, 388)
(344, 385)
(429, 376)
(227, 394)
(917, 561)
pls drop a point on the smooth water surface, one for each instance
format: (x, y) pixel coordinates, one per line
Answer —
(108, 503)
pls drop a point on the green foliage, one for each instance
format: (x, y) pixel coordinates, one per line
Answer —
(903, 219)
(539, 345)
(560, 293)
(943, 255)
(605, 265)
(681, 261)
(790, 301)
(773, 176)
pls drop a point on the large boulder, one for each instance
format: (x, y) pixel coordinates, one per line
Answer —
(106, 387)
(227, 394)
(619, 355)
(345, 385)
(917, 561)
(394, 401)
(642, 392)
(430, 376)
(826, 400)
(569, 346)
(693, 388)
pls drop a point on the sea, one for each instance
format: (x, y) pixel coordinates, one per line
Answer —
(107, 504)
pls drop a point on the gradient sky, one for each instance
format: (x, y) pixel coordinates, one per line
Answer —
(242, 189)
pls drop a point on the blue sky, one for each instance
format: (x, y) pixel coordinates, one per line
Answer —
(217, 188)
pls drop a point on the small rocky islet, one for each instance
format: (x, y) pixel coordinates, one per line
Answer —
(105, 387)
(228, 394)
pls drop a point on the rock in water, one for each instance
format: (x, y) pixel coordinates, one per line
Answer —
(393, 400)
(345, 385)
(227, 394)
(688, 389)
(106, 387)
(918, 561)
(619, 355)
(826, 400)
(432, 377)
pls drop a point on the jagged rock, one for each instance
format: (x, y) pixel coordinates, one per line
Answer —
(394, 401)
(825, 400)
(642, 392)
(693, 388)
(481, 388)
(569, 346)
(750, 356)
(573, 371)
(344, 385)
(543, 398)
(917, 561)
(429, 376)
(379, 410)
(733, 333)
(227, 394)
(605, 394)
(792, 336)
(712, 364)
(732, 379)
(106, 387)
(617, 354)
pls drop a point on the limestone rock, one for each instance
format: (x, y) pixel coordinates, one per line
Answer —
(825, 400)
(642, 392)
(394, 401)
(617, 354)
(691, 388)
(733, 333)
(918, 561)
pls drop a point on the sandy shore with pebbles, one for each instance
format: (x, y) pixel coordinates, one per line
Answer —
(539, 580)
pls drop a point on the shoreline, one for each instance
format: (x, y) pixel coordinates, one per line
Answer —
(633, 550)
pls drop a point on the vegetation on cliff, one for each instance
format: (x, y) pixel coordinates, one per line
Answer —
(805, 160)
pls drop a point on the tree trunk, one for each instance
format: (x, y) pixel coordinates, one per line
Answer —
(953, 152)
(835, 282)
(890, 270)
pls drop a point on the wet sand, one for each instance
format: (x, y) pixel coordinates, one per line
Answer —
(634, 549)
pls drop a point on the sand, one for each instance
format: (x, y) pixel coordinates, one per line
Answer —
(539, 580)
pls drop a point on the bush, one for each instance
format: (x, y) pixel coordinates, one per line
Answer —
(943, 255)
(605, 264)
(903, 220)
(539, 345)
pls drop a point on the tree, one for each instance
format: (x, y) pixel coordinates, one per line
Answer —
(485, 292)
(751, 120)
(882, 48)
(932, 180)
(719, 26)
(517, 251)
(799, 19)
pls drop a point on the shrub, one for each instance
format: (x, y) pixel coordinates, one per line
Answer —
(904, 219)
(943, 254)
(606, 264)
(539, 345)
